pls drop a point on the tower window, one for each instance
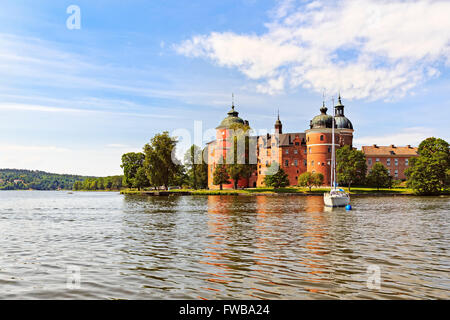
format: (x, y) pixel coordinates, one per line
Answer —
(321, 138)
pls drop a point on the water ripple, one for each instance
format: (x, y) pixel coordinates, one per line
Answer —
(221, 247)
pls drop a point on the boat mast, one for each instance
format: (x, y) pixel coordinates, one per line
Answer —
(333, 159)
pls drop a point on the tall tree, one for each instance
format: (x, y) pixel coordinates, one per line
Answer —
(131, 162)
(240, 167)
(160, 166)
(220, 175)
(277, 180)
(140, 180)
(196, 168)
(379, 177)
(351, 166)
(429, 172)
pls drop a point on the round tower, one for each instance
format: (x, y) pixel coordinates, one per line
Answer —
(319, 144)
(319, 139)
(223, 144)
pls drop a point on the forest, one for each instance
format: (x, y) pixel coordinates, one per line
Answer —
(16, 179)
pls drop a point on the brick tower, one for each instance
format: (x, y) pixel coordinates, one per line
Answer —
(319, 139)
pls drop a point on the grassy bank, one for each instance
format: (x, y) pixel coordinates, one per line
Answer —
(270, 191)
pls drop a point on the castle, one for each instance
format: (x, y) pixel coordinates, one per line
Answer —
(296, 152)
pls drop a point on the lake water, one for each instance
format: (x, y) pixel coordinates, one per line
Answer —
(56, 245)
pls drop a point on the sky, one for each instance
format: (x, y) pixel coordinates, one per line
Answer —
(73, 100)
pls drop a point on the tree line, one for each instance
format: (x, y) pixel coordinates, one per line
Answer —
(19, 179)
(157, 166)
(104, 183)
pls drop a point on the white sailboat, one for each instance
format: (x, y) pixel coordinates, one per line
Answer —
(336, 197)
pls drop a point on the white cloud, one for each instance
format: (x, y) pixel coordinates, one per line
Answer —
(366, 49)
(407, 136)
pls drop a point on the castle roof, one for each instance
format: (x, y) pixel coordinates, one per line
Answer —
(341, 121)
(231, 119)
(323, 120)
(286, 139)
(391, 150)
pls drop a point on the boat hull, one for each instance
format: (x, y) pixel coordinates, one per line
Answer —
(336, 201)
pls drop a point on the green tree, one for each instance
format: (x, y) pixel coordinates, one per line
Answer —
(429, 172)
(309, 180)
(181, 177)
(160, 166)
(220, 175)
(278, 180)
(379, 176)
(78, 185)
(317, 179)
(117, 182)
(240, 167)
(94, 185)
(101, 184)
(140, 179)
(202, 171)
(131, 162)
(351, 166)
(196, 168)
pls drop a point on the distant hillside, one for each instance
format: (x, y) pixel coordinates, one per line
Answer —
(15, 179)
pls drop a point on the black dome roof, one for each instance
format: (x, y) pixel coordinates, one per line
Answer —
(323, 120)
(342, 121)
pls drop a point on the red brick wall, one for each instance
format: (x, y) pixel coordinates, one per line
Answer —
(401, 167)
(319, 155)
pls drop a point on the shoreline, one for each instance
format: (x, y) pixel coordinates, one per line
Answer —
(264, 193)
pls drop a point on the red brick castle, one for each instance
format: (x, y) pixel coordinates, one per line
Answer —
(297, 152)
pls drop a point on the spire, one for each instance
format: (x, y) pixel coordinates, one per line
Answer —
(232, 112)
(339, 108)
(324, 109)
(278, 125)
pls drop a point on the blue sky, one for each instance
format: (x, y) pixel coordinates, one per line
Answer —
(72, 101)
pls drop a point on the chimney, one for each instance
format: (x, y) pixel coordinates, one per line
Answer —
(408, 146)
(392, 146)
(375, 146)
